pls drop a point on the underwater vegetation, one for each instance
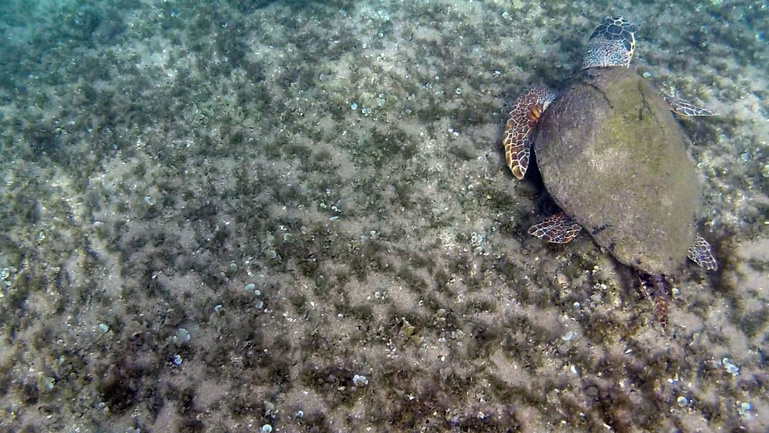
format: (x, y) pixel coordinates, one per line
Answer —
(296, 216)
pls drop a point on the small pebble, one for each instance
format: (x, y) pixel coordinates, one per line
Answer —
(269, 407)
(744, 409)
(182, 336)
(250, 286)
(731, 368)
(48, 382)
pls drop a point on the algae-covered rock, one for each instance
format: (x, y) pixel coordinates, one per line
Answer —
(614, 158)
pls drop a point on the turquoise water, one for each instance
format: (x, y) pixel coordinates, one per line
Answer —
(296, 216)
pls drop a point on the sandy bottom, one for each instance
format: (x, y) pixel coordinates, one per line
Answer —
(245, 216)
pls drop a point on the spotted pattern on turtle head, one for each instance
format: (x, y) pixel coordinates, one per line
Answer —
(611, 44)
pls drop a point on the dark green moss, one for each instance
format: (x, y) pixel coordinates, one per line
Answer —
(363, 313)
(78, 22)
(754, 322)
(393, 142)
(333, 383)
(120, 389)
(42, 137)
(430, 110)
(404, 195)
(230, 42)
(413, 281)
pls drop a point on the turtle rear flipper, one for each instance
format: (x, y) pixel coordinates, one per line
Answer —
(685, 108)
(520, 126)
(657, 289)
(701, 254)
(557, 229)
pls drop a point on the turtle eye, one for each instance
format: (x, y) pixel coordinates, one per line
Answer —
(534, 113)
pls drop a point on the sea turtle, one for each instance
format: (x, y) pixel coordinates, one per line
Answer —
(614, 159)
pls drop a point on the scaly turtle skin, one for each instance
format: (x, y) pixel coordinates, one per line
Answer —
(614, 159)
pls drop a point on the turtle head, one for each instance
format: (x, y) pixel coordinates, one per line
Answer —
(611, 44)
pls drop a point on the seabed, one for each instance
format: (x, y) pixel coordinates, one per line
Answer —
(290, 216)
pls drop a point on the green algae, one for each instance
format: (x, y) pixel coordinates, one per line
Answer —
(150, 167)
(613, 157)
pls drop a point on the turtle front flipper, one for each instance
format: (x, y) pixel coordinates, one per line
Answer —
(685, 108)
(701, 254)
(557, 229)
(520, 126)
